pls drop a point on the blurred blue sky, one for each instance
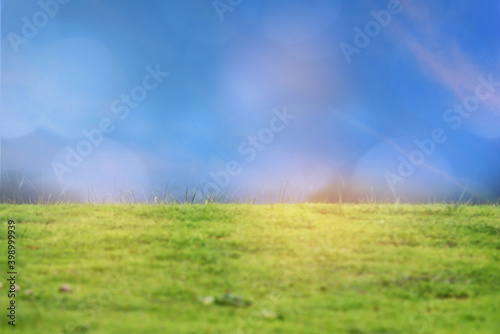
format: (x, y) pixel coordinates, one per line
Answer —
(392, 99)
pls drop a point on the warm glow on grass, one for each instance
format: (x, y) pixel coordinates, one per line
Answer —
(305, 268)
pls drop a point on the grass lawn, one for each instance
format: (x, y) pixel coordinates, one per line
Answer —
(307, 268)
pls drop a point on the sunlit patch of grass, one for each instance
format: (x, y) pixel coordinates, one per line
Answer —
(306, 268)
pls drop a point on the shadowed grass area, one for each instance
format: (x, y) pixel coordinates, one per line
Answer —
(305, 268)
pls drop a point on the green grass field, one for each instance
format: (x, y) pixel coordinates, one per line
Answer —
(305, 268)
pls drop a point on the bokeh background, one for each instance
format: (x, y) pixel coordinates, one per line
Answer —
(232, 66)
